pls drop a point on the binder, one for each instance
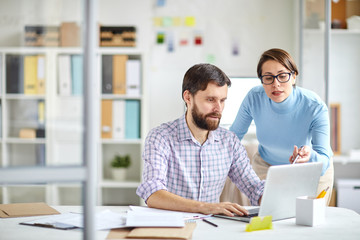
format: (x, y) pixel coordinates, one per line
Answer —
(107, 74)
(40, 155)
(41, 113)
(118, 119)
(41, 74)
(0, 120)
(64, 75)
(30, 74)
(14, 73)
(133, 73)
(106, 118)
(77, 74)
(119, 74)
(132, 119)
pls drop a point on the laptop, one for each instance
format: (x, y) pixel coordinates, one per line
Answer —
(284, 183)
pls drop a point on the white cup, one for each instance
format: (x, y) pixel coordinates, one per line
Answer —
(310, 211)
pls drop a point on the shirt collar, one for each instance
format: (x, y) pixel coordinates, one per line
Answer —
(184, 133)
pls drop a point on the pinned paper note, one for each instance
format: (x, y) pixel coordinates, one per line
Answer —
(160, 3)
(177, 21)
(258, 223)
(157, 21)
(160, 38)
(190, 21)
(167, 21)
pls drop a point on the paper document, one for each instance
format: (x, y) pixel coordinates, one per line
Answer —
(103, 220)
(186, 215)
(53, 221)
(151, 219)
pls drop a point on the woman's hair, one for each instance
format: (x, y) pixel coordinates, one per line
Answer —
(198, 77)
(279, 55)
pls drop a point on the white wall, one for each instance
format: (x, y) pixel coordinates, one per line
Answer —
(254, 26)
(344, 78)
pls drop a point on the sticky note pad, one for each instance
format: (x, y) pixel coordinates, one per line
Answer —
(258, 223)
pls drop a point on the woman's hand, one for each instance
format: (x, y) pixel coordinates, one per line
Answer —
(304, 154)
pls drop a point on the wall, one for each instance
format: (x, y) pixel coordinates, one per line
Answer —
(253, 26)
(343, 82)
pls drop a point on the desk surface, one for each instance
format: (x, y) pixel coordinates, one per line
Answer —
(340, 223)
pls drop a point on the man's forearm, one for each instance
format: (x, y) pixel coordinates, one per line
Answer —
(165, 200)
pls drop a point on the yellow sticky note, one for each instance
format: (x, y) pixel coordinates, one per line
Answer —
(177, 21)
(157, 21)
(258, 223)
(190, 21)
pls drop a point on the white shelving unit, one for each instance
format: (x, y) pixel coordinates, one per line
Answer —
(63, 135)
(112, 192)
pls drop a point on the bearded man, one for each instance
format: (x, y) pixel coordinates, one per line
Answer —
(187, 161)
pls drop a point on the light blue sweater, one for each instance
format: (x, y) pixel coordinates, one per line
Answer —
(301, 119)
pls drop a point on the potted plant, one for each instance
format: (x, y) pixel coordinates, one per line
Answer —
(118, 165)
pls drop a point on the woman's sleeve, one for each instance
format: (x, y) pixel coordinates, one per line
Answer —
(243, 118)
(320, 131)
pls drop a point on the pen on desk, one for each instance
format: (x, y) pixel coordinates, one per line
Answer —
(298, 155)
(323, 193)
(211, 223)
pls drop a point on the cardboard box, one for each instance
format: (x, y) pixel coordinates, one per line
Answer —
(117, 36)
(26, 210)
(27, 133)
(39, 36)
(69, 34)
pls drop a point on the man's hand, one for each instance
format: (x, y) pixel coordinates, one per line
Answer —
(165, 200)
(226, 208)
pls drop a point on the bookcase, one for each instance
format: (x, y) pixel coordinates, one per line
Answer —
(44, 127)
(122, 123)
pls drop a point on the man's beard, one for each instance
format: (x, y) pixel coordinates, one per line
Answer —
(201, 120)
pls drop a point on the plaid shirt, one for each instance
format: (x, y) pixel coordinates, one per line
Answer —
(176, 162)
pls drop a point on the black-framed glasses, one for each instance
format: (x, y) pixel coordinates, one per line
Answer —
(282, 78)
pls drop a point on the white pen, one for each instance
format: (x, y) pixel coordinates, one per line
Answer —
(298, 155)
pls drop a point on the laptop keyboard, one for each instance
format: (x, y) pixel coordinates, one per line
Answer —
(250, 215)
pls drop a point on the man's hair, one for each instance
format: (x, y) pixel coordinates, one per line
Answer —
(280, 56)
(200, 75)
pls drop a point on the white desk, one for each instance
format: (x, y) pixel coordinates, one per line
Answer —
(340, 224)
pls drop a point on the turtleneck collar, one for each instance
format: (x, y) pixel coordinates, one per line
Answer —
(286, 106)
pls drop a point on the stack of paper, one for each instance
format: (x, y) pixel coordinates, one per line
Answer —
(153, 219)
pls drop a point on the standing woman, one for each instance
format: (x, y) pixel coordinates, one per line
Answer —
(286, 118)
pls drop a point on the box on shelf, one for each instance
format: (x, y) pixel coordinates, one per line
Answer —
(348, 194)
(117, 36)
(353, 22)
(69, 34)
(27, 133)
(39, 36)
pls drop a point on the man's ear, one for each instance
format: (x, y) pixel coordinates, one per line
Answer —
(187, 97)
